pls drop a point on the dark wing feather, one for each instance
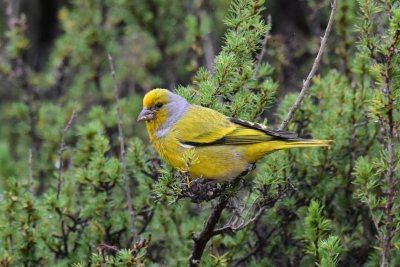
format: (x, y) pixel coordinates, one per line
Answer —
(236, 132)
(280, 135)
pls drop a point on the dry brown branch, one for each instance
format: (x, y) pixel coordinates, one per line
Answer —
(30, 170)
(314, 68)
(122, 154)
(209, 230)
(61, 151)
(261, 207)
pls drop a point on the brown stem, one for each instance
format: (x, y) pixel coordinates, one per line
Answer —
(30, 172)
(61, 151)
(207, 233)
(307, 82)
(122, 154)
(262, 206)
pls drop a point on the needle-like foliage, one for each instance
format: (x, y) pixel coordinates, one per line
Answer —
(62, 190)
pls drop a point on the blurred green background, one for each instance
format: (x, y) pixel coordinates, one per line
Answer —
(62, 195)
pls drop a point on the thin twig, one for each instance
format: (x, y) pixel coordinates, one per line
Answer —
(230, 228)
(266, 203)
(63, 226)
(307, 82)
(61, 151)
(113, 249)
(30, 170)
(122, 154)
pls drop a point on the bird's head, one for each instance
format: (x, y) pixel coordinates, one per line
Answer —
(161, 109)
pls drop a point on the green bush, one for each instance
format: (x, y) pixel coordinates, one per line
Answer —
(62, 191)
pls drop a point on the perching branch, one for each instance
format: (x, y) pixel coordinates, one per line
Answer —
(61, 151)
(122, 154)
(209, 230)
(307, 82)
(207, 233)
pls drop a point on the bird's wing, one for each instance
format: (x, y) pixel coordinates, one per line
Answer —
(202, 126)
(205, 127)
(256, 126)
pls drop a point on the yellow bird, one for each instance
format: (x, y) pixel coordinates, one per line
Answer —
(222, 147)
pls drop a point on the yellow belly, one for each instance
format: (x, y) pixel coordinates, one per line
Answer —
(226, 162)
(222, 162)
(218, 162)
(211, 162)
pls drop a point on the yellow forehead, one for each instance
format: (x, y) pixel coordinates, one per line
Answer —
(155, 96)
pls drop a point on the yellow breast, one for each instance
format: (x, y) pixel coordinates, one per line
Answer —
(210, 162)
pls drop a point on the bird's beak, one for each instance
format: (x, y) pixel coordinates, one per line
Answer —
(145, 115)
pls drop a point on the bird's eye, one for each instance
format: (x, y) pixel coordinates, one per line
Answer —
(159, 105)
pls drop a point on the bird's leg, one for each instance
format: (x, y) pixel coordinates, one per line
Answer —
(251, 167)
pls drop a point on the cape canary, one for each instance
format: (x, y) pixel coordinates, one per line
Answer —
(222, 147)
